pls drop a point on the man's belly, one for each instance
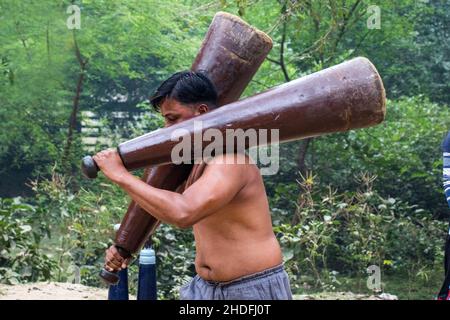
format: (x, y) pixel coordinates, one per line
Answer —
(225, 260)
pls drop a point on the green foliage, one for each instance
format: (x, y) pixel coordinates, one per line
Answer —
(318, 34)
(426, 66)
(404, 152)
(62, 236)
(330, 237)
(175, 259)
(21, 258)
(126, 48)
(343, 233)
(79, 225)
(330, 230)
(35, 101)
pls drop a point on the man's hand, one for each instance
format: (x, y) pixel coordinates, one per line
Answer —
(114, 261)
(111, 165)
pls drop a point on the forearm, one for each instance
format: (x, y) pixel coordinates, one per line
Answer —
(167, 206)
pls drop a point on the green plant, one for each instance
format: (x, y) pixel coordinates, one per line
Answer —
(335, 234)
(21, 257)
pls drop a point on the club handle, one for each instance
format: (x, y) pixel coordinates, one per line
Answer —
(112, 277)
(89, 167)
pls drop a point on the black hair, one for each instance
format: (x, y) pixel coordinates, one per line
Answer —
(186, 87)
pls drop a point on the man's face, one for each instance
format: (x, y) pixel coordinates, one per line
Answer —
(174, 111)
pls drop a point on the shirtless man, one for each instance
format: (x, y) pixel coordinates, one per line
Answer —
(237, 253)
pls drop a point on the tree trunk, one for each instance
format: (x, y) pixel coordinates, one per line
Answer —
(75, 108)
(304, 144)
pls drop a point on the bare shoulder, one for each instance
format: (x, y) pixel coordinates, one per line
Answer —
(234, 166)
(238, 165)
(235, 173)
(232, 159)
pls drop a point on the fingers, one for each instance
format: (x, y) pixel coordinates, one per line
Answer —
(98, 157)
(126, 262)
(103, 154)
(106, 153)
(116, 253)
(113, 260)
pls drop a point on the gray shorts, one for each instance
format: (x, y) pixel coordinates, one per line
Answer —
(269, 284)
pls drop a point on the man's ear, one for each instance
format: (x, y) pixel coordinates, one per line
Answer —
(202, 108)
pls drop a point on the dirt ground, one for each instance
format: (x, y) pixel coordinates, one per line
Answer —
(51, 291)
(345, 296)
(69, 291)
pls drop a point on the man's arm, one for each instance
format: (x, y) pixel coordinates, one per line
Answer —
(218, 185)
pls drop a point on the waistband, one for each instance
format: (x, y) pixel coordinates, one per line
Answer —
(253, 276)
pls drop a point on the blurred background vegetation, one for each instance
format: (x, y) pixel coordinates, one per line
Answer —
(339, 203)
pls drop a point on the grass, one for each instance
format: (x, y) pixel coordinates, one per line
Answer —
(405, 286)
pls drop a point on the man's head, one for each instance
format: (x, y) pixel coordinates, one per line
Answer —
(184, 95)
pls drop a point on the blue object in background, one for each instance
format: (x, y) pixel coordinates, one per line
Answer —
(446, 172)
(444, 293)
(147, 275)
(446, 143)
(120, 290)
